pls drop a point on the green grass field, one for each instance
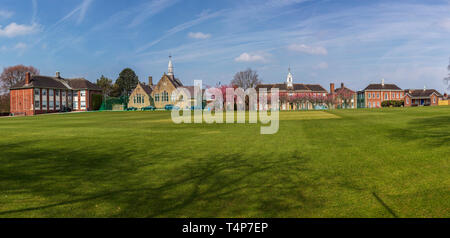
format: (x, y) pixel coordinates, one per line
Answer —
(345, 163)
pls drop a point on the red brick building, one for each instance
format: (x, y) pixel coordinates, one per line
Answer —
(343, 96)
(296, 96)
(422, 97)
(375, 94)
(43, 94)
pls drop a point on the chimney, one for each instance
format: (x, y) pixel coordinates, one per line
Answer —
(27, 77)
(382, 82)
(58, 75)
(331, 87)
(342, 85)
(150, 80)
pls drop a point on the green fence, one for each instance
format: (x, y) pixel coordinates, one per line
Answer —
(112, 103)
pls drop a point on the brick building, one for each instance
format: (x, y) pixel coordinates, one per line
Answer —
(343, 97)
(297, 96)
(422, 97)
(39, 94)
(374, 94)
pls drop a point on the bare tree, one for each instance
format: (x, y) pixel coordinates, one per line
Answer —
(447, 79)
(14, 74)
(246, 79)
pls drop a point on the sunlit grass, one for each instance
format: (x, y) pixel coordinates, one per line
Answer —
(345, 163)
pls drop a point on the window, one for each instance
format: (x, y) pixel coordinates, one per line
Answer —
(173, 97)
(57, 104)
(36, 92)
(50, 92)
(374, 105)
(143, 101)
(36, 104)
(157, 97)
(373, 95)
(378, 95)
(83, 93)
(385, 96)
(83, 104)
(407, 100)
(378, 104)
(75, 105)
(50, 104)
(165, 96)
(134, 99)
(434, 99)
(57, 93)
(44, 92)
(398, 96)
(64, 93)
(369, 95)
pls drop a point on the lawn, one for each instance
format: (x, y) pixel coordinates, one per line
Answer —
(345, 163)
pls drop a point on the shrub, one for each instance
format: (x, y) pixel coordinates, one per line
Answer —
(392, 103)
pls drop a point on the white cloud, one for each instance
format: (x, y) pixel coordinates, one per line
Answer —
(151, 8)
(6, 14)
(198, 35)
(200, 19)
(246, 57)
(15, 29)
(20, 46)
(80, 9)
(322, 65)
(312, 50)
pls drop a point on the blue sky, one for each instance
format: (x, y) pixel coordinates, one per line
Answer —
(355, 42)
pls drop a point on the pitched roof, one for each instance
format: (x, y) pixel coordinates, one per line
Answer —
(382, 87)
(343, 90)
(420, 93)
(39, 81)
(81, 83)
(148, 89)
(295, 86)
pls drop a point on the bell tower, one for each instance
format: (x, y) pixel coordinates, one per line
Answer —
(289, 79)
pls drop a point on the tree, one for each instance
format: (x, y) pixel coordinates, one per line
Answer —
(447, 80)
(14, 74)
(246, 79)
(127, 81)
(105, 84)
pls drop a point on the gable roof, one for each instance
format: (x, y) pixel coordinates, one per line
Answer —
(295, 87)
(382, 87)
(148, 89)
(420, 93)
(39, 81)
(343, 90)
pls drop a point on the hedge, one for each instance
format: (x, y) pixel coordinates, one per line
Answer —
(392, 103)
(96, 101)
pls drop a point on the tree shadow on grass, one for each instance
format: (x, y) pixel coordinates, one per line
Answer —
(434, 131)
(226, 185)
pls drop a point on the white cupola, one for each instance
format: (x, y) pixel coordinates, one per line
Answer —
(289, 78)
(170, 67)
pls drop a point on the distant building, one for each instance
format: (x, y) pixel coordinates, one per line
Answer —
(375, 94)
(343, 97)
(163, 92)
(39, 94)
(422, 97)
(141, 96)
(296, 96)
